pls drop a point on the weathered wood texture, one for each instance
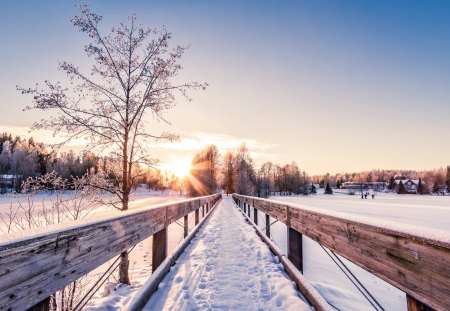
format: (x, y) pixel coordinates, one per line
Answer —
(159, 248)
(34, 265)
(295, 248)
(418, 265)
(414, 305)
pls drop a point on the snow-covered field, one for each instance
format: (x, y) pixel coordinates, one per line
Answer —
(422, 211)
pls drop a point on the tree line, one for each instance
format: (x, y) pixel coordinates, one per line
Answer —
(21, 159)
(236, 171)
(435, 181)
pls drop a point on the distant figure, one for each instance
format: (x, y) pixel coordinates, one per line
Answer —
(365, 195)
(373, 196)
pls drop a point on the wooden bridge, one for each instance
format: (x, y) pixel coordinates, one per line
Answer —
(34, 265)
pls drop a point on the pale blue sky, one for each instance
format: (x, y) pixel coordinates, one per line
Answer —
(334, 85)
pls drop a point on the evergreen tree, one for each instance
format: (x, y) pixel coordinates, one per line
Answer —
(447, 179)
(436, 187)
(401, 188)
(421, 188)
(392, 184)
(328, 189)
(313, 189)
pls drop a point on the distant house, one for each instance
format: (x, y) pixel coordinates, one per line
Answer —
(411, 185)
(373, 185)
(8, 182)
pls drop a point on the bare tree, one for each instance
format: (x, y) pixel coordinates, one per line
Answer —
(204, 172)
(131, 78)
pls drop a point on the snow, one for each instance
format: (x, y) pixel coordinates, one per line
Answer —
(227, 267)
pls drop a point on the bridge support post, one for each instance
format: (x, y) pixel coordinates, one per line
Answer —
(245, 208)
(255, 216)
(415, 305)
(295, 248)
(186, 225)
(249, 210)
(268, 225)
(203, 210)
(159, 249)
(44, 305)
(197, 216)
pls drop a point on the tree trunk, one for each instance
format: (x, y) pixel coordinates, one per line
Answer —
(124, 261)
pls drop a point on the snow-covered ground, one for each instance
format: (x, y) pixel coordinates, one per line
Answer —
(227, 267)
(421, 211)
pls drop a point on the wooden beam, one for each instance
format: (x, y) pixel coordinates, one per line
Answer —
(255, 216)
(44, 305)
(415, 305)
(295, 248)
(159, 248)
(186, 225)
(197, 218)
(267, 225)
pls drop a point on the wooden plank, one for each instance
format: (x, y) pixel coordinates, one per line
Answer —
(267, 225)
(186, 225)
(414, 305)
(42, 306)
(159, 248)
(295, 248)
(37, 263)
(418, 265)
(197, 217)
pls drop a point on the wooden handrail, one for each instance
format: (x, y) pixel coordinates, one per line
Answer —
(36, 264)
(416, 263)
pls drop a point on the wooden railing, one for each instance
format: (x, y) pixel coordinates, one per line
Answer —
(36, 264)
(416, 263)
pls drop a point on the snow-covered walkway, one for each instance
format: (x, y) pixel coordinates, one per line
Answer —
(226, 267)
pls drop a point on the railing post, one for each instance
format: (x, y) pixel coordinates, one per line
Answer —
(245, 208)
(159, 249)
(255, 215)
(295, 248)
(248, 210)
(203, 210)
(415, 305)
(186, 225)
(197, 216)
(268, 225)
(44, 305)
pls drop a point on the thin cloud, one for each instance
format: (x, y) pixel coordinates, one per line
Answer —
(196, 140)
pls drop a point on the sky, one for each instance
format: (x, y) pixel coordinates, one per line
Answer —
(336, 86)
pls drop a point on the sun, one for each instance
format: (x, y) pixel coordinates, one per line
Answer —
(180, 167)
